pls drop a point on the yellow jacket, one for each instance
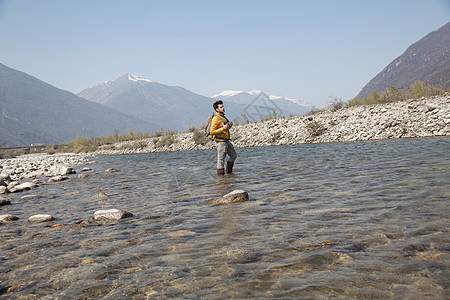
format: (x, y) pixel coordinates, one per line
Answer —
(217, 130)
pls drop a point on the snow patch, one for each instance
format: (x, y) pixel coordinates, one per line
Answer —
(228, 93)
(137, 78)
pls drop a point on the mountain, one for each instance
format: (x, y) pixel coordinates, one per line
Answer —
(171, 107)
(33, 111)
(259, 104)
(427, 60)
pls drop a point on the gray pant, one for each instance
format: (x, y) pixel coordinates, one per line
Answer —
(224, 148)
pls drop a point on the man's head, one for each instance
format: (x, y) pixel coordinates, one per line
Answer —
(218, 106)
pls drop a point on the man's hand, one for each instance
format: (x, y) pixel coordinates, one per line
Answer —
(227, 125)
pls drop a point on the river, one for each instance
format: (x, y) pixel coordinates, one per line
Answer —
(338, 220)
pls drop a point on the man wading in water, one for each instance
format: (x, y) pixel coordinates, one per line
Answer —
(220, 128)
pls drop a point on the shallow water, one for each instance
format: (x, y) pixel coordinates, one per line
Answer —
(341, 220)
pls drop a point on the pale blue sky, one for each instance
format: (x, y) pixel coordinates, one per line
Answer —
(310, 50)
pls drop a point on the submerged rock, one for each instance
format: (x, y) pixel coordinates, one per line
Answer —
(111, 214)
(29, 197)
(40, 218)
(234, 196)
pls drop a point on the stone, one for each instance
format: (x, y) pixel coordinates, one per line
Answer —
(40, 218)
(3, 189)
(4, 202)
(29, 197)
(234, 196)
(181, 233)
(98, 196)
(8, 218)
(111, 214)
(60, 170)
(86, 169)
(83, 175)
(110, 170)
(57, 178)
(22, 187)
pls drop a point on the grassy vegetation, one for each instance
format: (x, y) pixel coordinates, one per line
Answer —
(393, 94)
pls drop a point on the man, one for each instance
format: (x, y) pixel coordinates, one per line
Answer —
(220, 128)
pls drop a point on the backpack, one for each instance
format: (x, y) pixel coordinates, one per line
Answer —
(208, 128)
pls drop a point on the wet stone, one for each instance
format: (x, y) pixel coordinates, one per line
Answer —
(111, 214)
(233, 197)
(4, 202)
(8, 218)
(22, 187)
(110, 170)
(40, 218)
(29, 197)
(57, 178)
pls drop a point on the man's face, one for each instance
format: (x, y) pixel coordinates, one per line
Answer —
(220, 108)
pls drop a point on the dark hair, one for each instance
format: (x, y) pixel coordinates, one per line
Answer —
(216, 104)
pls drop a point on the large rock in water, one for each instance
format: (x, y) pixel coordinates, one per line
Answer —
(234, 196)
(59, 169)
(22, 187)
(111, 214)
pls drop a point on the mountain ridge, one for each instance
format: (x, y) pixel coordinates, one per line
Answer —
(427, 60)
(33, 111)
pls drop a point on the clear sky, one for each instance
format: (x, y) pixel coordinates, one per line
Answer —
(310, 50)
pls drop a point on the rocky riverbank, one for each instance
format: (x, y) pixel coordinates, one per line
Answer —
(423, 117)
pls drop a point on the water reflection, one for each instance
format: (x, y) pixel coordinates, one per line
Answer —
(365, 219)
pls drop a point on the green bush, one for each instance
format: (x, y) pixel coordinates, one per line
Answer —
(199, 137)
(315, 128)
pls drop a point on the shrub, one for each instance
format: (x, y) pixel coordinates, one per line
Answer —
(336, 104)
(315, 128)
(199, 137)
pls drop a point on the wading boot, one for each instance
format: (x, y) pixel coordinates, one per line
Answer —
(230, 167)
(220, 171)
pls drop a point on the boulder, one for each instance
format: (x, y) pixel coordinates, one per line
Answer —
(111, 214)
(8, 218)
(234, 196)
(110, 170)
(40, 218)
(59, 169)
(22, 187)
(3, 189)
(4, 179)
